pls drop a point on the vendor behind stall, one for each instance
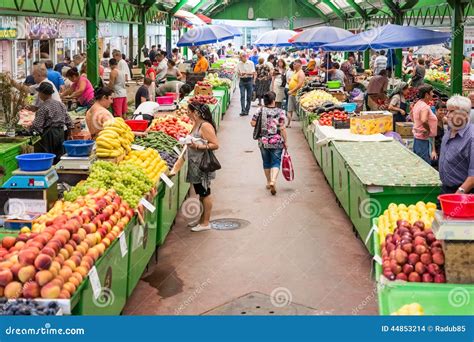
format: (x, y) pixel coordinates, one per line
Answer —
(376, 89)
(81, 88)
(40, 76)
(202, 64)
(50, 122)
(98, 113)
(143, 93)
(398, 104)
(170, 87)
(456, 162)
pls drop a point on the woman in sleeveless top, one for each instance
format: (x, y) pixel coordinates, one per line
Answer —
(98, 113)
(205, 129)
(117, 84)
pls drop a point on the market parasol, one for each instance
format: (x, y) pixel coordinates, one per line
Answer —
(233, 29)
(202, 35)
(389, 37)
(189, 19)
(433, 50)
(317, 36)
(275, 38)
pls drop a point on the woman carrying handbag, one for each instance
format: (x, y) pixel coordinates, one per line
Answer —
(202, 162)
(269, 130)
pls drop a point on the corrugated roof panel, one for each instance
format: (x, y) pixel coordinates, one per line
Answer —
(324, 8)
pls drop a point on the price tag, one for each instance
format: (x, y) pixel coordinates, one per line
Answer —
(123, 244)
(137, 147)
(377, 259)
(167, 181)
(95, 282)
(151, 208)
(371, 232)
(176, 149)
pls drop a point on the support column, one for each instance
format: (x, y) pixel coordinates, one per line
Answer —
(141, 35)
(91, 46)
(367, 59)
(457, 47)
(346, 53)
(398, 52)
(169, 19)
(185, 49)
(130, 42)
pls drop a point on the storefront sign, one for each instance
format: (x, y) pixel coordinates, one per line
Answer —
(105, 30)
(42, 28)
(72, 29)
(8, 27)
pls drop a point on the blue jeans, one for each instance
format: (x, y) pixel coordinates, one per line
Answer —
(245, 86)
(271, 157)
(422, 149)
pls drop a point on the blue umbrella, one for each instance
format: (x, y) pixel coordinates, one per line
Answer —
(202, 35)
(389, 37)
(317, 36)
(275, 38)
(235, 31)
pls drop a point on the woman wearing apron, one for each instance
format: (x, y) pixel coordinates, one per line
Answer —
(398, 105)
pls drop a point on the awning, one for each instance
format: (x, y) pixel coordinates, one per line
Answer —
(207, 20)
(188, 19)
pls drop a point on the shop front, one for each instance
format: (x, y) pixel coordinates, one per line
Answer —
(8, 32)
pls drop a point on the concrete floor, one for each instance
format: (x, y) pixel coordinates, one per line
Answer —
(299, 245)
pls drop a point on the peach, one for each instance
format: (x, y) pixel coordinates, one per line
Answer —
(8, 242)
(31, 289)
(13, 290)
(6, 264)
(71, 264)
(60, 259)
(106, 242)
(82, 250)
(20, 244)
(84, 245)
(43, 277)
(26, 273)
(74, 281)
(122, 211)
(103, 232)
(94, 253)
(130, 213)
(64, 294)
(27, 257)
(83, 271)
(64, 253)
(66, 272)
(42, 239)
(43, 261)
(88, 260)
(78, 276)
(82, 233)
(58, 281)
(70, 248)
(6, 277)
(15, 269)
(61, 238)
(2, 291)
(69, 287)
(76, 238)
(90, 227)
(55, 245)
(49, 251)
(50, 291)
(101, 248)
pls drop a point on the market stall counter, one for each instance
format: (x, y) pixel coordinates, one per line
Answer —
(167, 208)
(9, 149)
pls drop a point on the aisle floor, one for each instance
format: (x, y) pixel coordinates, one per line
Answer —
(299, 249)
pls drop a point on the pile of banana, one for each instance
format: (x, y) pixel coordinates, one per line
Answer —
(115, 139)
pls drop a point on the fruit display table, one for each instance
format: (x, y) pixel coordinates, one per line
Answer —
(441, 87)
(368, 176)
(436, 299)
(183, 185)
(9, 149)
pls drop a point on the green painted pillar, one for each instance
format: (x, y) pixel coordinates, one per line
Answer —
(398, 52)
(169, 19)
(141, 36)
(367, 59)
(185, 49)
(291, 23)
(130, 41)
(91, 46)
(346, 53)
(457, 48)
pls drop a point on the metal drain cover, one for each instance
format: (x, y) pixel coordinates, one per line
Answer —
(256, 303)
(228, 224)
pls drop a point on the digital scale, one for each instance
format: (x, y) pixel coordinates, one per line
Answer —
(449, 228)
(167, 108)
(75, 163)
(33, 191)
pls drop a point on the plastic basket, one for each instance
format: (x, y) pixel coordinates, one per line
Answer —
(333, 84)
(35, 161)
(165, 100)
(173, 95)
(78, 148)
(137, 125)
(349, 107)
(457, 205)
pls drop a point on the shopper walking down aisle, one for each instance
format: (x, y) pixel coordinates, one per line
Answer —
(151, 74)
(246, 72)
(117, 84)
(424, 125)
(272, 138)
(264, 79)
(380, 63)
(456, 162)
(296, 83)
(202, 64)
(279, 82)
(204, 128)
(99, 113)
(398, 104)
(80, 89)
(122, 64)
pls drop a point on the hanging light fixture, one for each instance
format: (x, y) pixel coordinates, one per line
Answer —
(250, 13)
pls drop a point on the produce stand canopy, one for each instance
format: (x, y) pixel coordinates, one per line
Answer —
(386, 164)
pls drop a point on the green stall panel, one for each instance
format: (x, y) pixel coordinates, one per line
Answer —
(167, 209)
(326, 152)
(141, 245)
(436, 299)
(9, 149)
(112, 271)
(183, 185)
(4, 232)
(341, 181)
(318, 152)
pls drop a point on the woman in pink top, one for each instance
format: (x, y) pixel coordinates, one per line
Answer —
(81, 88)
(425, 125)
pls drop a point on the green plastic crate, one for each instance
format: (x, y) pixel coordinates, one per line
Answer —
(112, 269)
(167, 209)
(183, 185)
(436, 299)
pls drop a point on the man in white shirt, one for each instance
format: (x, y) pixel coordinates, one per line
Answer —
(246, 71)
(162, 67)
(40, 75)
(122, 65)
(380, 63)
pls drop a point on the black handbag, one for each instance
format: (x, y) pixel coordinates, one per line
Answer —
(257, 130)
(209, 162)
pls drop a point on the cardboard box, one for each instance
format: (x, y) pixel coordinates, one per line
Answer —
(405, 129)
(372, 123)
(203, 90)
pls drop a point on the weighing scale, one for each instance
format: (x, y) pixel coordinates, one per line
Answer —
(449, 228)
(36, 191)
(167, 108)
(76, 163)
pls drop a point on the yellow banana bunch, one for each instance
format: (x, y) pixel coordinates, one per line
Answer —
(413, 309)
(115, 139)
(149, 161)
